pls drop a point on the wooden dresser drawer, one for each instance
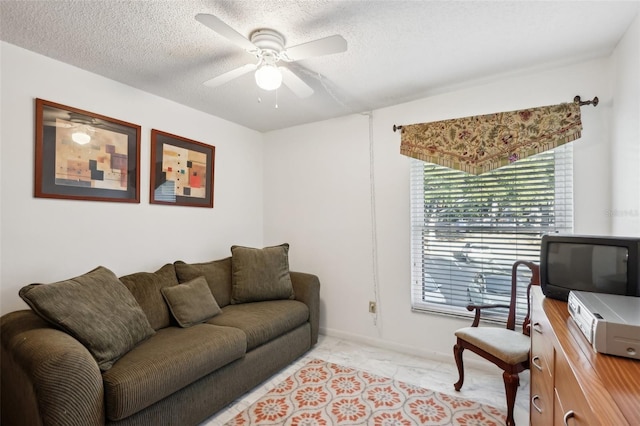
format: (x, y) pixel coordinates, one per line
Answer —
(572, 403)
(542, 348)
(541, 367)
(541, 397)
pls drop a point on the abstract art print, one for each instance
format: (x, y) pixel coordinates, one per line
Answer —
(181, 171)
(85, 156)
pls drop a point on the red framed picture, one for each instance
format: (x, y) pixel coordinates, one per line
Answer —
(81, 155)
(181, 171)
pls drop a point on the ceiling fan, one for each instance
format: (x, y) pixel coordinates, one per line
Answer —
(268, 46)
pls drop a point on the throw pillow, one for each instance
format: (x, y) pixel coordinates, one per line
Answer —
(192, 302)
(217, 273)
(146, 287)
(260, 274)
(95, 308)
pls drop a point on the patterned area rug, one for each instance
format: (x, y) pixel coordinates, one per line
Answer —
(322, 393)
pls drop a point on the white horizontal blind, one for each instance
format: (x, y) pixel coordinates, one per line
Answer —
(467, 231)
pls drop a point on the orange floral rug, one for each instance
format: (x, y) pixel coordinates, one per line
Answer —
(322, 393)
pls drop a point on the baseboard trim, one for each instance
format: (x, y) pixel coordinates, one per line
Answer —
(470, 360)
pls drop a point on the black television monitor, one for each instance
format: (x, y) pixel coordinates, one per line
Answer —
(599, 264)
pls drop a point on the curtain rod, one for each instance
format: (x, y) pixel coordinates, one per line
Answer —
(577, 99)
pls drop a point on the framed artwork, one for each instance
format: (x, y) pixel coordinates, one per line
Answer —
(85, 156)
(181, 171)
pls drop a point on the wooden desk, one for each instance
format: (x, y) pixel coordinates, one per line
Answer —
(571, 383)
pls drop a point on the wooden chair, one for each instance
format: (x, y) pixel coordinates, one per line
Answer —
(505, 347)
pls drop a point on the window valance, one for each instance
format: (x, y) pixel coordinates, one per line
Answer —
(482, 143)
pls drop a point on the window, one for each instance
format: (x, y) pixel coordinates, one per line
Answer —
(466, 230)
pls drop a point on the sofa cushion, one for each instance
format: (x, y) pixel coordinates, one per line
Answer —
(95, 308)
(217, 273)
(146, 288)
(191, 303)
(263, 321)
(172, 359)
(260, 274)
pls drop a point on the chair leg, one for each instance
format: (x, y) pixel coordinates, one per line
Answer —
(457, 354)
(511, 383)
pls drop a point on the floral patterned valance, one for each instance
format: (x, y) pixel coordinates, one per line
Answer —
(482, 143)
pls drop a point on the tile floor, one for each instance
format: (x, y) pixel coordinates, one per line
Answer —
(484, 386)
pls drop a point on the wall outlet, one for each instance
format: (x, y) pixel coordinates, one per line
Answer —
(372, 307)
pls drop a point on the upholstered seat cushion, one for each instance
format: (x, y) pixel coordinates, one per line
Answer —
(263, 321)
(510, 346)
(168, 361)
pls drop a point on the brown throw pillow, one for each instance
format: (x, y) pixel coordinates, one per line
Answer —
(192, 302)
(217, 273)
(260, 274)
(95, 308)
(146, 286)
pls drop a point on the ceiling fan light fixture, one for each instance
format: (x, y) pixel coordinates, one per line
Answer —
(268, 46)
(268, 77)
(80, 137)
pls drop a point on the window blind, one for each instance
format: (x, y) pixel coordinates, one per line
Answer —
(466, 230)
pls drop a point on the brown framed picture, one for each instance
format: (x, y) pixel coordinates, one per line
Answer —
(81, 155)
(181, 171)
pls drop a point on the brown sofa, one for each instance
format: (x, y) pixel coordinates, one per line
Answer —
(182, 372)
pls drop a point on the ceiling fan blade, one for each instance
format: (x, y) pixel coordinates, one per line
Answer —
(323, 46)
(229, 75)
(225, 30)
(57, 123)
(295, 83)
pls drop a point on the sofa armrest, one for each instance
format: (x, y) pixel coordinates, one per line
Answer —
(48, 377)
(307, 289)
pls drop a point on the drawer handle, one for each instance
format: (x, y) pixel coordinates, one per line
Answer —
(536, 364)
(534, 398)
(537, 327)
(568, 415)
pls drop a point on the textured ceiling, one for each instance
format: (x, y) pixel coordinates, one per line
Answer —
(398, 51)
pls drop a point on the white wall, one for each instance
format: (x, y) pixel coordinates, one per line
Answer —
(44, 240)
(317, 195)
(625, 211)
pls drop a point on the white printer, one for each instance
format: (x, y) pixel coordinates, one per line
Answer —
(610, 322)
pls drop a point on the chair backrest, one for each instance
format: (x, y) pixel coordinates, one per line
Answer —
(535, 280)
